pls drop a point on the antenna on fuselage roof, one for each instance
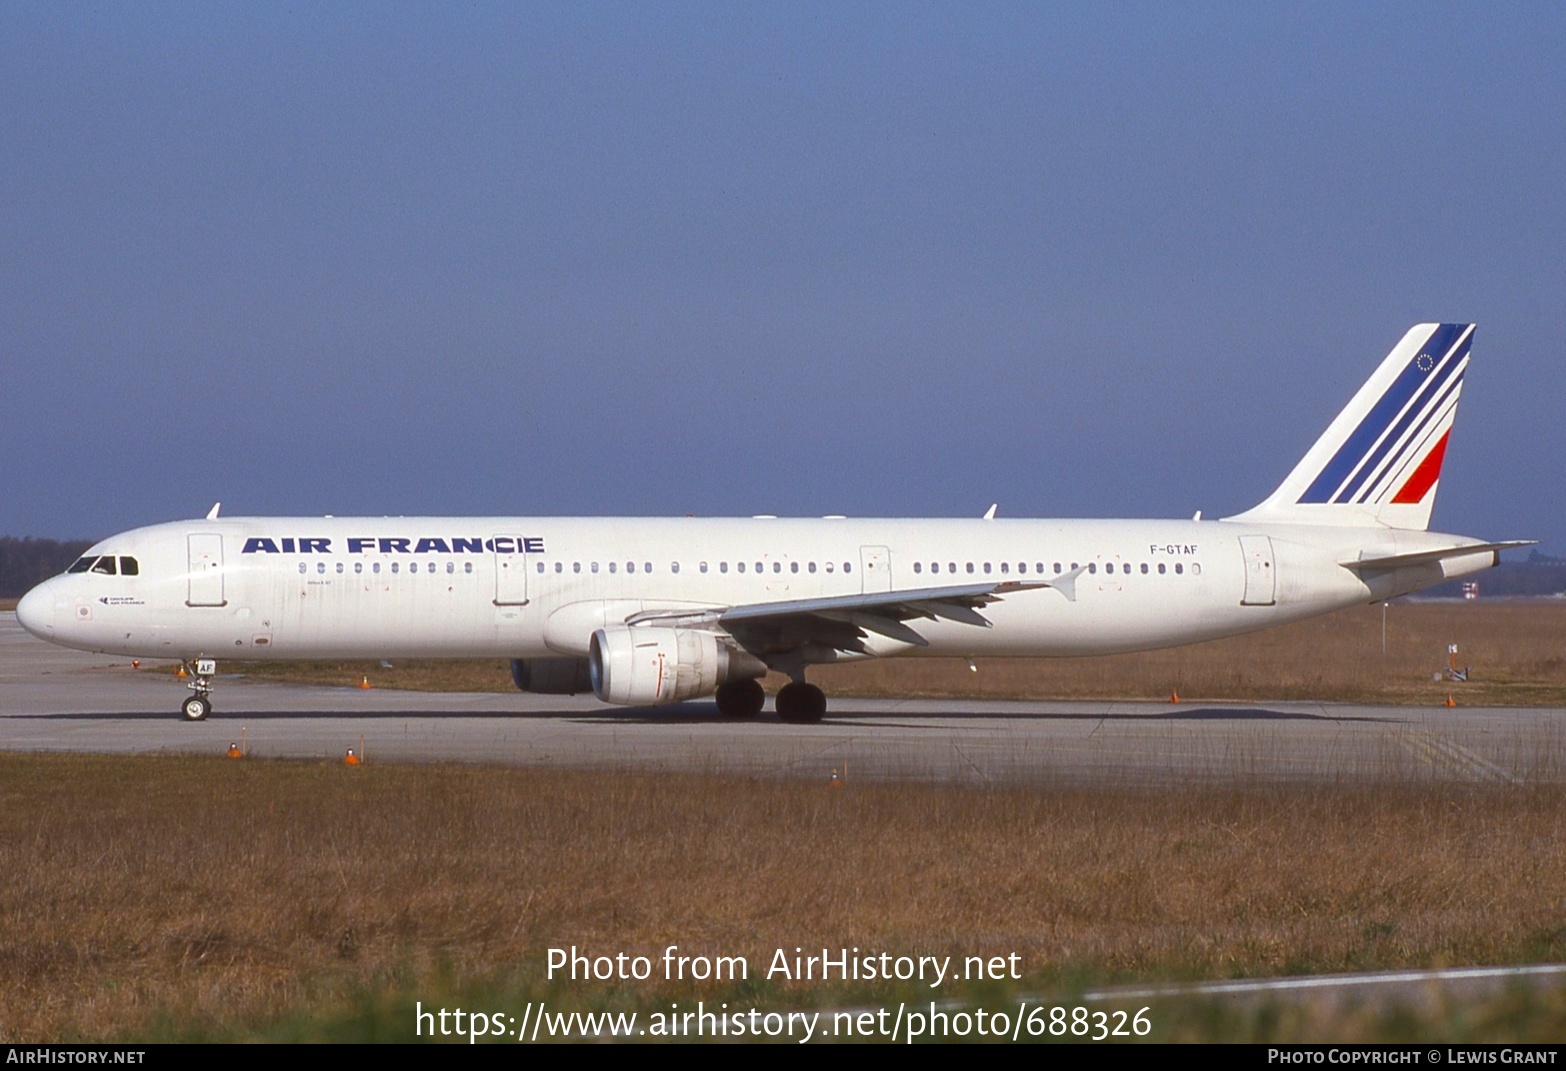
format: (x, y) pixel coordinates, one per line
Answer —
(212, 514)
(989, 514)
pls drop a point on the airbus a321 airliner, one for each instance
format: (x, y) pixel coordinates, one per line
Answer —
(646, 611)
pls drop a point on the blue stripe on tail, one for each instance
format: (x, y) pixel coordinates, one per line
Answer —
(1382, 414)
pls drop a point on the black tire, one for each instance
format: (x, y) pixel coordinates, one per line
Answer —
(740, 699)
(800, 703)
(196, 708)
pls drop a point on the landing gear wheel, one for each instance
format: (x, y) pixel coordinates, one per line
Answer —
(196, 708)
(740, 699)
(801, 703)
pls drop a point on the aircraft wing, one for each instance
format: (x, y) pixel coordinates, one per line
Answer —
(845, 621)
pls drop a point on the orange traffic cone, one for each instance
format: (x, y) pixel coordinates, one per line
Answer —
(364, 682)
(1174, 696)
(835, 781)
(233, 750)
(135, 663)
(180, 671)
(350, 759)
(1450, 701)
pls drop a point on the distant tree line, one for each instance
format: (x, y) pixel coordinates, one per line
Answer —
(1539, 575)
(26, 561)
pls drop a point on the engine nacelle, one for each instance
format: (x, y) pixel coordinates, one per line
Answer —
(552, 676)
(640, 666)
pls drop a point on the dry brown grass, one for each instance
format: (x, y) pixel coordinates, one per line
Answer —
(1517, 651)
(8, 604)
(222, 895)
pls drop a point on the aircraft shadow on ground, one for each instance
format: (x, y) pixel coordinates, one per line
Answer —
(707, 714)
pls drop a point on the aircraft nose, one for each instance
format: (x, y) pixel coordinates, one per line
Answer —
(35, 612)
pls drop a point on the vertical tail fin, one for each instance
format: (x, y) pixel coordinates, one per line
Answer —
(1379, 462)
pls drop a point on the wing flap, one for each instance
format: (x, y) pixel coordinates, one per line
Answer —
(846, 621)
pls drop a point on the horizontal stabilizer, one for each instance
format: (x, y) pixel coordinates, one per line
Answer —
(1425, 557)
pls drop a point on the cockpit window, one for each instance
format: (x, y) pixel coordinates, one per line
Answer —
(81, 565)
(105, 565)
(129, 566)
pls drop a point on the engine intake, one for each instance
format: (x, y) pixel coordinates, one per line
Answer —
(641, 666)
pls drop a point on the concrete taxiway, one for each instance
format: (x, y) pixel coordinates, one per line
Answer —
(52, 699)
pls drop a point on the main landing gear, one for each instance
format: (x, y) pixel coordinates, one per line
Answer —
(198, 704)
(740, 699)
(799, 702)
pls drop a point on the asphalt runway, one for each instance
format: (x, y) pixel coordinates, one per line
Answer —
(52, 699)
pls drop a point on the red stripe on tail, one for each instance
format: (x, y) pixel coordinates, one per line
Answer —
(1424, 476)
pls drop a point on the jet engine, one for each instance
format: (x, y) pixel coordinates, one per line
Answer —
(639, 666)
(552, 676)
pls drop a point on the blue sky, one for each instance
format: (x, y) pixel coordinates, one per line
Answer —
(900, 259)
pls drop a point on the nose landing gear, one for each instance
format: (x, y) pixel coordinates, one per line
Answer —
(198, 704)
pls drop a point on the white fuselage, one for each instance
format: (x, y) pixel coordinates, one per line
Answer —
(310, 587)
